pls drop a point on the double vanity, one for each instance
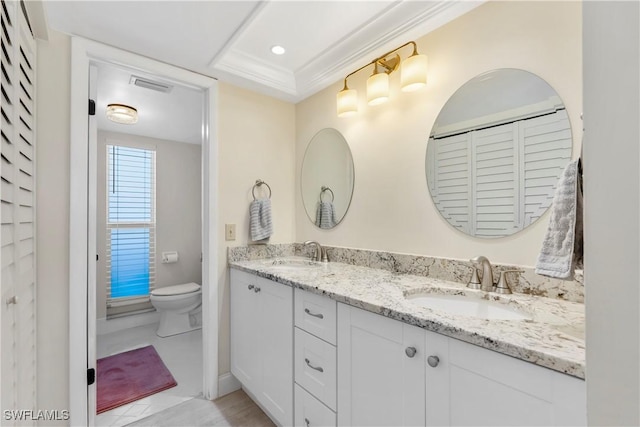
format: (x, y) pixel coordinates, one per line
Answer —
(357, 342)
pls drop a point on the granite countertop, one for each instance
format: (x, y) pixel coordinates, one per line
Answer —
(552, 336)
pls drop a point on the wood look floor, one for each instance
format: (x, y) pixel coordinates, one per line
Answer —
(234, 409)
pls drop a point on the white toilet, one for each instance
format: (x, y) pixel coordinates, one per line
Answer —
(180, 308)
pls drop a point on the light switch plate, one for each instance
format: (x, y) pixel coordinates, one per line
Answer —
(230, 232)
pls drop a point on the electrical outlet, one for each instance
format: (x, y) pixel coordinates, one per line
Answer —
(230, 232)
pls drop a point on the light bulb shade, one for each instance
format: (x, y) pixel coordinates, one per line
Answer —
(347, 102)
(122, 114)
(378, 88)
(413, 73)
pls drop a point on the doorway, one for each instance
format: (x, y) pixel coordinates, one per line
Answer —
(149, 240)
(83, 231)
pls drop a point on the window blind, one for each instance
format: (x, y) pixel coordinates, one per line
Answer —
(130, 225)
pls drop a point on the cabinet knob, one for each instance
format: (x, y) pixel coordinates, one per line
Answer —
(12, 300)
(433, 361)
(410, 351)
(250, 287)
(256, 289)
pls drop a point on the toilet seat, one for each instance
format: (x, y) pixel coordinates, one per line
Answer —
(185, 288)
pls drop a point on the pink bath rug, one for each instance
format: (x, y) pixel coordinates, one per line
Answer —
(126, 377)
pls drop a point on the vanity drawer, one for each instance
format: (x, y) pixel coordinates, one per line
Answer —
(315, 367)
(310, 412)
(316, 314)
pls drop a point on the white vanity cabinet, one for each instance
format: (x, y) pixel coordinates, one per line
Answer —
(470, 385)
(262, 342)
(381, 370)
(391, 373)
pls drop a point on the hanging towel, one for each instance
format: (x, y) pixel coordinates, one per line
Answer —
(326, 215)
(260, 219)
(562, 247)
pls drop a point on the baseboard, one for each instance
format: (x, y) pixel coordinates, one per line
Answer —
(104, 326)
(227, 383)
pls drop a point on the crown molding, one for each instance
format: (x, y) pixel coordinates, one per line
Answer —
(369, 41)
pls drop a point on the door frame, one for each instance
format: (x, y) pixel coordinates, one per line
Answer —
(82, 250)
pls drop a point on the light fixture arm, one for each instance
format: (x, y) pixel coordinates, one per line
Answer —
(380, 58)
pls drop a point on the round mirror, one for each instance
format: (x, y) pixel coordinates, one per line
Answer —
(327, 178)
(496, 151)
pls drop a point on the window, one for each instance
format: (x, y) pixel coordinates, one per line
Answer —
(130, 225)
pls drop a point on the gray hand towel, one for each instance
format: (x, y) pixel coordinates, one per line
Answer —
(326, 215)
(563, 245)
(260, 219)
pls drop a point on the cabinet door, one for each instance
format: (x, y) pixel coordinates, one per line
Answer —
(379, 384)
(245, 330)
(480, 387)
(276, 338)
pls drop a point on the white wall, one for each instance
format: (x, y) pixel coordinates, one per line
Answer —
(612, 210)
(178, 209)
(391, 207)
(52, 233)
(256, 141)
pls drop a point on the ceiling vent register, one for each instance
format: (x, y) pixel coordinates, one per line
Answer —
(150, 84)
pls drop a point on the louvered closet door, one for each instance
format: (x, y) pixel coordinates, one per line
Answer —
(17, 258)
(496, 181)
(546, 142)
(451, 187)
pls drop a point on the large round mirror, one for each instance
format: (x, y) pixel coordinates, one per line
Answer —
(496, 151)
(327, 178)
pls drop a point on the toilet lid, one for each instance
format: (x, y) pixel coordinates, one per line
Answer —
(185, 288)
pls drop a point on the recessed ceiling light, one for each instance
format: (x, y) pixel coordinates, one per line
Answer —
(278, 50)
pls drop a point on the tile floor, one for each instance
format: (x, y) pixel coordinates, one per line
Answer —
(182, 354)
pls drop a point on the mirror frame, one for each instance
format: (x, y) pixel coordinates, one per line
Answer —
(311, 215)
(468, 123)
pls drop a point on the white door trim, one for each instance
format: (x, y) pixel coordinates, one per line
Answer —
(82, 255)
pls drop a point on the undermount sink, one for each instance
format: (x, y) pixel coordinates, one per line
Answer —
(292, 263)
(466, 306)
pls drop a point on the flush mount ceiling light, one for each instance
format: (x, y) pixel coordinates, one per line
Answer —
(278, 50)
(122, 114)
(413, 75)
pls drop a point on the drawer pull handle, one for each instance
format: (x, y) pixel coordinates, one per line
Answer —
(410, 351)
(250, 287)
(317, 368)
(318, 315)
(306, 421)
(433, 361)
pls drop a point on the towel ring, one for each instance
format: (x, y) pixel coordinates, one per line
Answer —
(329, 190)
(259, 183)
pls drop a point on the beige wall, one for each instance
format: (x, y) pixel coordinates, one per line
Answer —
(178, 209)
(391, 207)
(52, 234)
(256, 141)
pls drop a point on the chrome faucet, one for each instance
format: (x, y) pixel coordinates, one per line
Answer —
(487, 275)
(320, 252)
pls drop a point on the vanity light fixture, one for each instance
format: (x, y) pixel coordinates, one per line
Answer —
(123, 114)
(413, 75)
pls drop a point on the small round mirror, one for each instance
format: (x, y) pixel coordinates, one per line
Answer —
(327, 178)
(496, 151)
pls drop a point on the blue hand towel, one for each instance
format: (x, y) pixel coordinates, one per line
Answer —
(260, 219)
